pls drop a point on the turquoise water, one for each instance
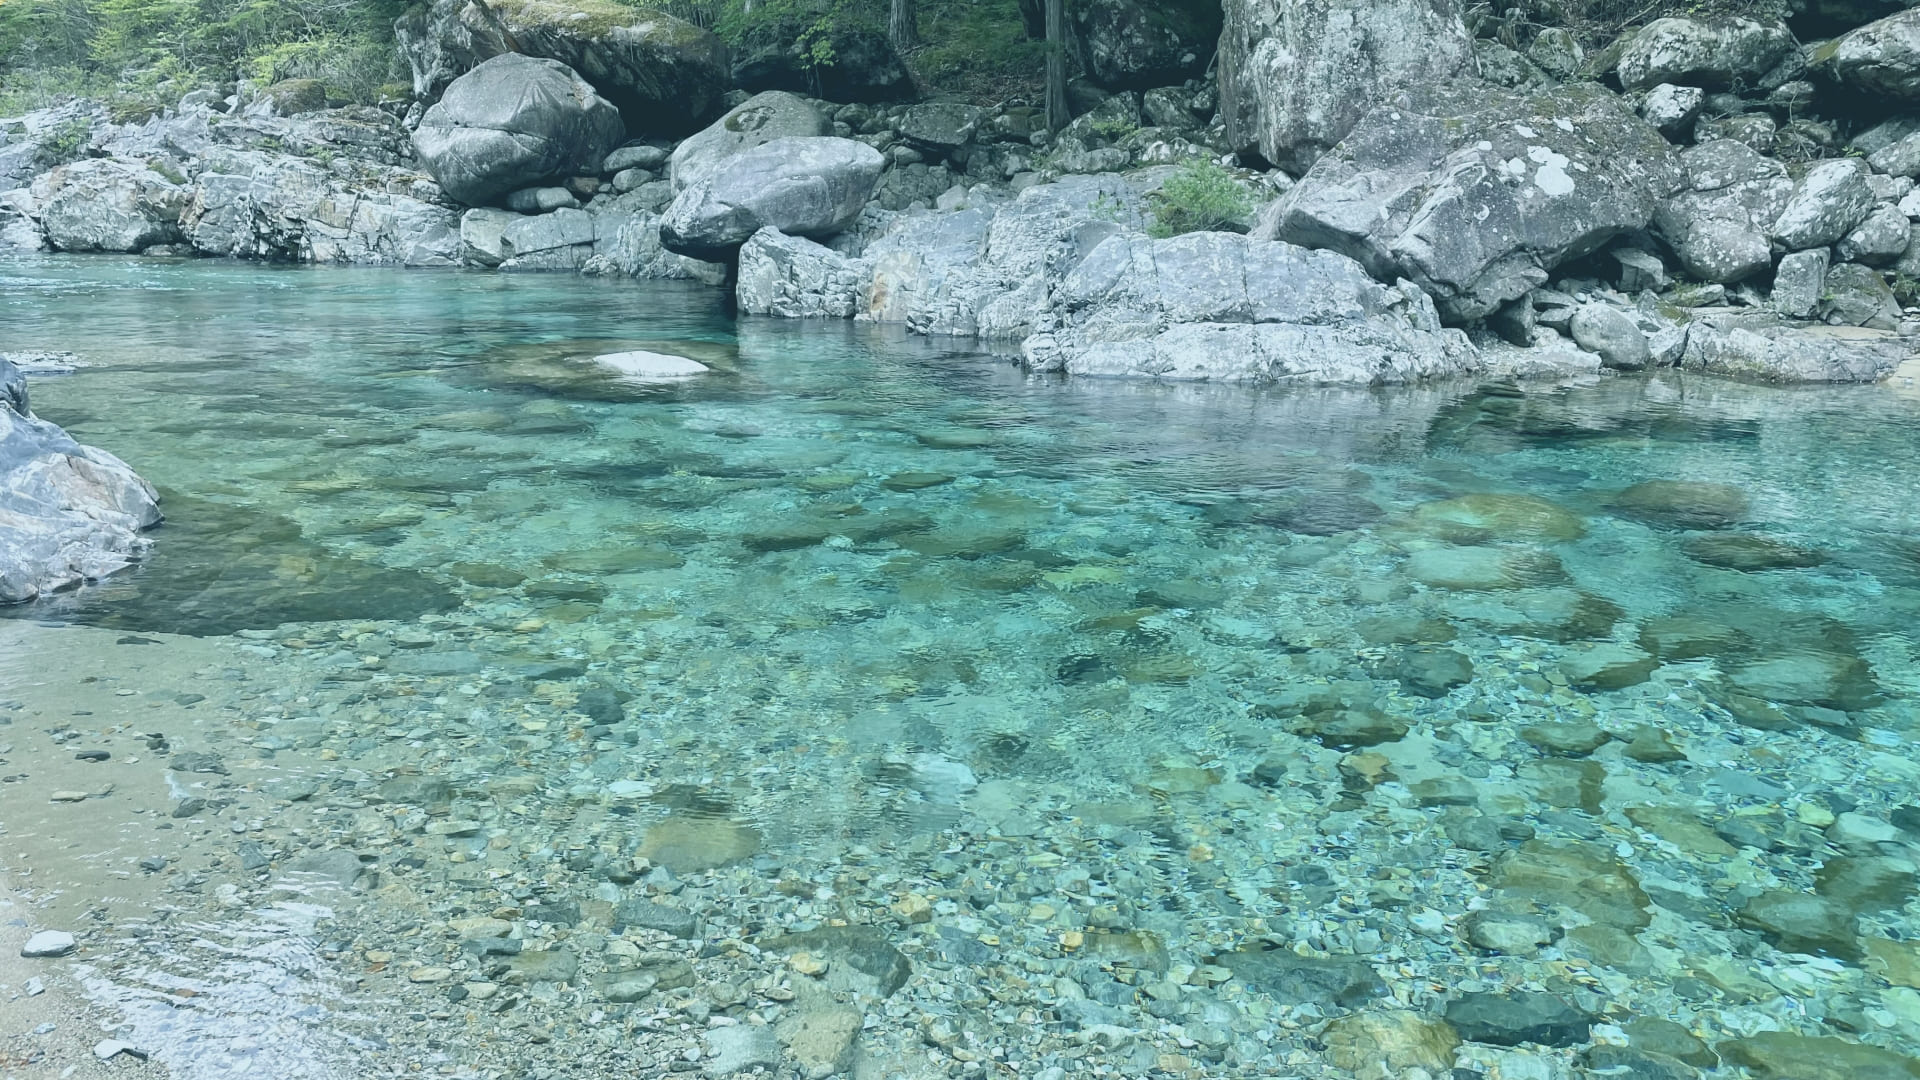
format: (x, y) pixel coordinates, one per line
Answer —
(867, 600)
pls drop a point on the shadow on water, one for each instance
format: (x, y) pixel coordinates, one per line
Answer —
(218, 569)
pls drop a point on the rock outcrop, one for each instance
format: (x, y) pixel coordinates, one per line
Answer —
(109, 205)
(1763, 349)
(514, 122)
(1297, 75)
(68, 513)
(801, 186)
(1219, 307)
(667, 76)
(1475, 193)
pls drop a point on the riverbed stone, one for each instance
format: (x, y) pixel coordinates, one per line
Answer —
(1682, 504)
(1383, 1044)
(1607, 666)
(47, 944)
(1486, 516)
(1565, 738)
(1510, 1019)
(1787, 1055)
(691, 843)
(1749, 552)
(1433, 672)
(738, 1049)
(1800, 922)
(1483, 568)
(1339, 982)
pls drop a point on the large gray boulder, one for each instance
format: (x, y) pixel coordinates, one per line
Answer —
(801, 186)
(1832, 198)
(1141, 44)
(1718, 226)
(68, 513)
(1221, 307)
(666, 75)
(1297, 75)
(1712, 53)
(1881, 58)
(1761, 348)
(760, 119)
(104, 204)
(514, 122)
(1476, 193)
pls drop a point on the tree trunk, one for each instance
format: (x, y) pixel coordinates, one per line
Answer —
(900, 28)
(1057, 115)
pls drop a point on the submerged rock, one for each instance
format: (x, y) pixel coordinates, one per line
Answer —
(642, 366)
(1481, 517)
(1509, 1019)
(1744, 551)
(68, 513)
(1384, 1044)
(1682, 504)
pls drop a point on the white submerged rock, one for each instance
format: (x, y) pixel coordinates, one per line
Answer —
(642, 366)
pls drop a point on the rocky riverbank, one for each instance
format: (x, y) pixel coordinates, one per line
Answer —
(1708, 193)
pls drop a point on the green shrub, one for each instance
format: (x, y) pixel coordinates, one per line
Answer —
(1201, 197)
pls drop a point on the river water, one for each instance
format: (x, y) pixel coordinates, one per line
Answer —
(1147, 727)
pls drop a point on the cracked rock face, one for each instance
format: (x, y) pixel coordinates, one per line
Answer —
(1475, 195)
(1297, 75)
(1216, 306)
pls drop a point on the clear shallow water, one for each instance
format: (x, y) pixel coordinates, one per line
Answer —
(868, 600)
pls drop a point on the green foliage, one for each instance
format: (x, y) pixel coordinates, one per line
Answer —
(1906, 290)
(151, 50)
(65, 143)
(1201, 197)
(980, 49)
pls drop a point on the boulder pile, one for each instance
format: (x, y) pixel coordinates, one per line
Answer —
(1708, 192)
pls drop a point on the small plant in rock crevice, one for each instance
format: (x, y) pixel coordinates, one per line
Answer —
(1202, 197)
